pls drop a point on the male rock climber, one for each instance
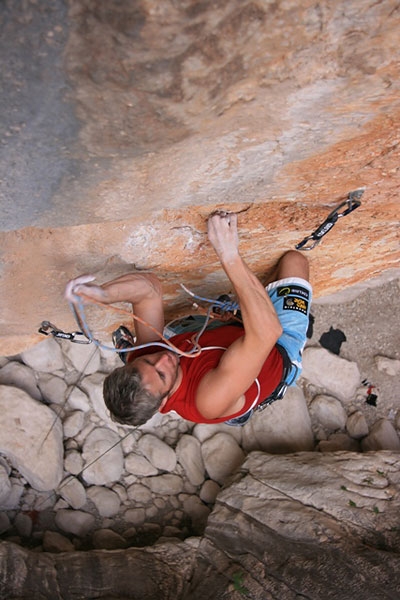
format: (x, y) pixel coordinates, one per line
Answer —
(240, 368)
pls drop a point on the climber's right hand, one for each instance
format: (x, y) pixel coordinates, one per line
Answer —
(78, 289)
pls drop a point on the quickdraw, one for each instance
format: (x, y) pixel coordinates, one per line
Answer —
(47, 328)
(352, 202)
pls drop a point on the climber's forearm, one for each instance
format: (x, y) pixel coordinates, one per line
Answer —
(142, 290)
(259, 316)
(133, 287)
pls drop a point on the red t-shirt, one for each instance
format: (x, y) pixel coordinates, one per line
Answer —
(194, 369)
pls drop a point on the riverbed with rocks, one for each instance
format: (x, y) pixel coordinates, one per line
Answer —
(71, 479)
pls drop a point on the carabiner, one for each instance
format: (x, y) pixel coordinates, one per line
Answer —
(352, 202)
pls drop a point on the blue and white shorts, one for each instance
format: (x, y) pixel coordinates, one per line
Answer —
(291, 298)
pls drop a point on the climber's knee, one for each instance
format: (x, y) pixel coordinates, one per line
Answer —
(293, 264)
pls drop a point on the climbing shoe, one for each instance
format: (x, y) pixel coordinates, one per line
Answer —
(123, 338)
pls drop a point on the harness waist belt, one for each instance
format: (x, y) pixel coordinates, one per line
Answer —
(281, 388)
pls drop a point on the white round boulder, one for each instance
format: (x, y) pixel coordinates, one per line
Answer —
(139, 465)
(73, 492)
(157, 452)
(221, 455)
(106, 501)
(31, 438)
(103, 458)
(339, 377)
(328, 412)
(74, 521)
(188, 452)
(45, 356)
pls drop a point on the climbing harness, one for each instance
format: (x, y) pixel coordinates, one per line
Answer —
(47, 328)
(352, 202)
(223, 304)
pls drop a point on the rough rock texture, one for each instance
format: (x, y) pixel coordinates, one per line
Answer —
(280, 529)
(124, 124)
(149, 506)
(135, 120)
(36, 455)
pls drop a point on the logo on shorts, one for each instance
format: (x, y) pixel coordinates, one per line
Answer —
(293, 290)
(295, 303)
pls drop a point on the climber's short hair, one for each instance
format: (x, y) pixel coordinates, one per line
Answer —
(126, 399)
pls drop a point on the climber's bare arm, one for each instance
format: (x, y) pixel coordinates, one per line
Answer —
(220, 391)
(142, 290)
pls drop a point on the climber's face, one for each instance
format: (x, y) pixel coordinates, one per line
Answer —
(160, 372)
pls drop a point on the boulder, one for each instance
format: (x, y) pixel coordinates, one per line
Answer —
(139, 465)
(382, 436)
(340, 378)
(85, 358)
(73, 492)
(77, 399)
(157, 452)
(338, 442)
(106, 501)
(387, 365)
(165, 485)
(203, 431)
(283, 426)
(76, 522)
(221, 456)
(135, 516)
(102, 456)
(45, 356)
(73, 423)
(139, 494)
(356, 425)
(328, 413)
(31, 438)
(108, 540)
(53, 389)
(306, 524)
(55, 542)
(209, 491)
(23, 524)
(22, 377)
(188, 452)
(73, 462)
